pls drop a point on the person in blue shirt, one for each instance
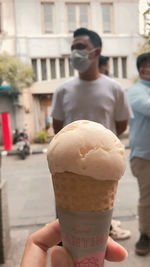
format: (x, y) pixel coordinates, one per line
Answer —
(139, 99)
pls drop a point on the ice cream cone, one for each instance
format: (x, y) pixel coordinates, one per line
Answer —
(79, 197)
(82, 193)
(86, 161)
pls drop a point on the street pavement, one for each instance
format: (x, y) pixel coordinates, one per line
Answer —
(32, 205)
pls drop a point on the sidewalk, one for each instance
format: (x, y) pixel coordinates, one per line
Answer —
(33, 147)
(18, 239)
(22, 227)
(132, 260)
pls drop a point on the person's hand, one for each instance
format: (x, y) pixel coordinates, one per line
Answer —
(35, 254)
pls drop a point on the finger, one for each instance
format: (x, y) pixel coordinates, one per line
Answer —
(114, 251)
(60, 257)
(35, 253)
(48, 236)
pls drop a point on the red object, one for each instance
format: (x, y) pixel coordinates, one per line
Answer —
(7, 140)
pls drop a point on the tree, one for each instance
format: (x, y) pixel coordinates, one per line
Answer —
(15, 72)
(145, 47)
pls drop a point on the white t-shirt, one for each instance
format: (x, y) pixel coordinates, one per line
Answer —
(102, 100)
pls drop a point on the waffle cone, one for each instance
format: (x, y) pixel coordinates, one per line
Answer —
(82, 193)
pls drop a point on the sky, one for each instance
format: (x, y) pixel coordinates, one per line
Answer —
(142, 9)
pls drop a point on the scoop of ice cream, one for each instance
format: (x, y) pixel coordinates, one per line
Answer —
(87, 148)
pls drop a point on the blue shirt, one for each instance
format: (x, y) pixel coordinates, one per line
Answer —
(139, 99)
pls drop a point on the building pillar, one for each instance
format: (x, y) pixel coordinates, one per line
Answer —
(66, 67)
(48, 69)
(57, 69)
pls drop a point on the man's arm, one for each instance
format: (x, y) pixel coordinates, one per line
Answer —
(139, 99)
(57, 125)
(121, 126)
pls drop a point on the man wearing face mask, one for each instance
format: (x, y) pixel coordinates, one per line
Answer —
(92, 95)
(139, 98)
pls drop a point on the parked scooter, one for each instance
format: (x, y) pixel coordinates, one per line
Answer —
(23, 145)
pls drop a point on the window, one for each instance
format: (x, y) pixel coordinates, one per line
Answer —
(77, 16)
(46, 68)
(71, 70)
(115, 67)
(107, 18)
(48, 17)
(118, 67)
(62, 67)
(71, 18)
(34, 66)
(43, 69)
(83, 16)
(124, 67)
(0, 17)
(53, 68)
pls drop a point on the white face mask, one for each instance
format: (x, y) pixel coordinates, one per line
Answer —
(80, 59)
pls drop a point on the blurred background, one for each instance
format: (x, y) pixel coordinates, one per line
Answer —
(35, 39)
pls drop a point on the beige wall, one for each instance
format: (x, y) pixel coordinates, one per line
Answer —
(7, 36)
(28, 113)
(33, 43)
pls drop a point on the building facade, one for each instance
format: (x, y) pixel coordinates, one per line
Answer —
(43, 32)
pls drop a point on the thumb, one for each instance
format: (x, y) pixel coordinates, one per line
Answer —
(61, 258)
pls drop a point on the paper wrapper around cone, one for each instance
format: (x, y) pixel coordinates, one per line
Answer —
(84, 207)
